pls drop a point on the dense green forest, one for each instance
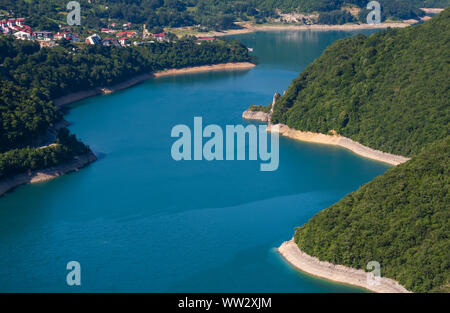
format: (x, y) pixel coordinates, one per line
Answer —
(336, 17)
(214, 14)
(400, 219)
(31, 77)
(388, 91)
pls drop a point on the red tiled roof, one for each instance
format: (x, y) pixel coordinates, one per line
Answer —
(207, 39)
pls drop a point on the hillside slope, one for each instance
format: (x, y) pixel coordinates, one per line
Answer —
(400, 219)
(388, 91)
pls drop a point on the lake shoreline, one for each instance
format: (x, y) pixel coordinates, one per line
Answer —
(338, 140)
(337, 273)
(41, 175)
(251, 28)
(334, 139)
(80, 161)
(77, 96)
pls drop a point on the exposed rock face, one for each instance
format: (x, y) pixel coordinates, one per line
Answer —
(260, 115)
(276, 96)
(255, 115)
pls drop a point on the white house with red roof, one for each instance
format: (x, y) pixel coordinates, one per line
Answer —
(124, 41)
(23, 35)
(160, 37)
(20, 21)
(94, 40)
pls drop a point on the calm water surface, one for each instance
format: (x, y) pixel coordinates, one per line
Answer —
(138, 221)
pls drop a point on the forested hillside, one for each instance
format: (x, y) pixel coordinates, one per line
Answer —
(388, 91)
(30, 78)
(400, 219)
(214, 14)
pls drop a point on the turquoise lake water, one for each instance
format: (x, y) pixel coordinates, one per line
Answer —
(136, 220)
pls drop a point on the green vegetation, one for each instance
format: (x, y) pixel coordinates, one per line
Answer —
(60, 71)
(31, 77)
(18, 161)
(263, 108)
(213, 14)
(336, 17)
(388, 91)
(400, 219)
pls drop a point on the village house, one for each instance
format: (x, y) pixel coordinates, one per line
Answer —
(124, 41)
(49, 44)
(160, 37)
(108, 42)
(15, 25)
(126, 34)
(205, 39)
(94, 40)
(20, 21)
(23, 35)
(108, 31)
(67, 36)
(43, 35)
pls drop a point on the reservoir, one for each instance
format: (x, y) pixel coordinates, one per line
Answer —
(138, 221)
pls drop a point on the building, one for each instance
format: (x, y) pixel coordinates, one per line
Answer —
(206, 39)
(126, 34)
(14, 25)
(23, 35)
(108, 42)
(49, 44)
(20, 21)
(124, 41)
(67, 36)
(108, 31)
(94, 40)
(160, 37)
(43, 35)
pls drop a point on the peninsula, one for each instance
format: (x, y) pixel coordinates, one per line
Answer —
(387, 103)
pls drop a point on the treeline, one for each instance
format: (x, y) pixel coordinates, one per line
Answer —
(400, 219)
(336, 17)
(388, 91)
(32, 77)
(214, 14)
(17, 161)
(60, 71)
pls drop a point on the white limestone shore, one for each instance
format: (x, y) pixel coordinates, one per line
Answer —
(80, 161)
(338, 140)
(77, 96)
(338, 273)
(332, 139)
